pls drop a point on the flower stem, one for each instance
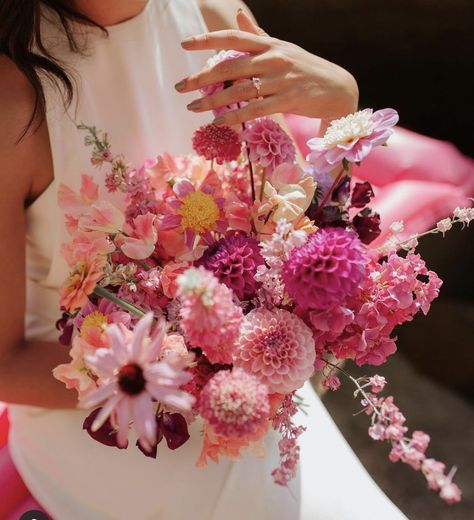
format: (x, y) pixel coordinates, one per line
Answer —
(264, 180)
(104, 293)
(329, 193)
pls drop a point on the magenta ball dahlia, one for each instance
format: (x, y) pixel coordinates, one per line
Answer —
(235, 403)
(277, 347)
(326, 269)
(234, 261)
(219, 143)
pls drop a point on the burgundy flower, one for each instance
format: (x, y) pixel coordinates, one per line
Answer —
(105, 434)
(361, 194)
(367, 225)
(234, 261)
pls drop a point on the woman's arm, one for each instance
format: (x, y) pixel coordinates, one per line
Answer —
(26, 169)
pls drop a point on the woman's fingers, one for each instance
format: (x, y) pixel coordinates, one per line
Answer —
(228, 70)
(260, 108)
(230, 39)
(241, 91)
(247, 24)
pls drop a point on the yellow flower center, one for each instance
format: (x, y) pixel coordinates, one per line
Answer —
(94, 320)
(199, 211)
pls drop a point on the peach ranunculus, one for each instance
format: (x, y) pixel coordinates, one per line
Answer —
(86, 272)
(84, 243)
(174, 344)
(215, 445)
(168, 277)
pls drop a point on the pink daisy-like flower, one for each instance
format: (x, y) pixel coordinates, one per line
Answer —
(326, 269)
(130, 378)
(92, 321)
(198, 212)
(219, 143)
(268, 143)
(277, 347)
(351, 138)
(234, 260)
(209, 317)
(235, 403)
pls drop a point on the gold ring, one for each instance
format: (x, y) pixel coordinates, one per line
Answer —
(257, 83)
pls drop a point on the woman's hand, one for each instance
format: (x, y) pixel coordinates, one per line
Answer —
(292, 80)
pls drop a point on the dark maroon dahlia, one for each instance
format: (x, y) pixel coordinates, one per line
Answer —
(234, 260)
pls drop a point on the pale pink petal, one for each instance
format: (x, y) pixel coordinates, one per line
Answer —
(143, 416)
(89, 189)
(386, 117)
(140, 333)
(105, 411)
(170, 222)
(97, 396)
(183, 187)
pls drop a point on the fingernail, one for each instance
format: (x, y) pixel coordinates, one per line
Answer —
(180, 85)
(218, 121)
(187, 42)
(194, 105)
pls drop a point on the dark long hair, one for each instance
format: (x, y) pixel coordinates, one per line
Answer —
(21, 41)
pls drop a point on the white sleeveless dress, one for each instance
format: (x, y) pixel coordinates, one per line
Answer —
(125, 86)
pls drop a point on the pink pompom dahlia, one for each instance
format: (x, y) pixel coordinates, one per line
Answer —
(209, 317)
(351, 138)
(326, 269)
(219, 143)
(234, 261)
(235, 403)
(268, 143)
(277, 347)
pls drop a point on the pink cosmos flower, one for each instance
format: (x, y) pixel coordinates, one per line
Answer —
(351, 138)
(81, 282)
(209, 317)
(199, 213)
(130, 378)
(277, 347)
(235, 403)
(268, 143)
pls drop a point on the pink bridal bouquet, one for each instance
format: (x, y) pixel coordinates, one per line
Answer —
(210, 287)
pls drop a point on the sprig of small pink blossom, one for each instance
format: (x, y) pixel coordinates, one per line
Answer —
(288, 444)
(102, 153)
(275, 252)
(463, 216)
(388, 424)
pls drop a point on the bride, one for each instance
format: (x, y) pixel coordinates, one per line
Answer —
(59, 67)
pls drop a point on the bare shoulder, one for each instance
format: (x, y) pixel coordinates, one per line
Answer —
(26, 163)
(219, 14)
